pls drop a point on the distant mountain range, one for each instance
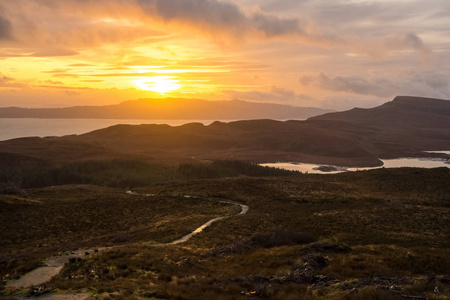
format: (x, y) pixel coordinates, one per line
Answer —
(170, 109)
(404, 127)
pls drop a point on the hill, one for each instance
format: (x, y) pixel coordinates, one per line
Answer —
(403, 111)
(406, 126)
(170, 109)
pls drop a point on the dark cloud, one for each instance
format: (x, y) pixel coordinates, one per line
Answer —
(409, 41)
(282, 5)
(206, 12)
(213, 16)
(413, 41)
(5, 29)
(275, 26)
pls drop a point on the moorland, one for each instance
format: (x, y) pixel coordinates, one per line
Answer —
(379, 234)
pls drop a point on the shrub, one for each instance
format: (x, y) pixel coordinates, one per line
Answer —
(281, 238)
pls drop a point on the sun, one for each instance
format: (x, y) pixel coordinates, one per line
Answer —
(159, 84)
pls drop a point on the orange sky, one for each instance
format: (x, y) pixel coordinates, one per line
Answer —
(334, 54)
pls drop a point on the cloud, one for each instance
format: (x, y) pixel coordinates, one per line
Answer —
(275, 26)
(81, 23)
(406, 82)
(276, 94)
(210, 13)
(432, 79)
(221, 17)
(71, 24)
(62, 73)
(53, 82)
(284, 93)
(281, 5)
(80, 65)
(3, 78)
(9, 82)
(409, 41)
(53, 52)
(72, 93)
(352, 84)
(38, 52)
(373, 28)
(5, 29)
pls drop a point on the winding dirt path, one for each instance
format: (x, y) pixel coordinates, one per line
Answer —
(53, 265)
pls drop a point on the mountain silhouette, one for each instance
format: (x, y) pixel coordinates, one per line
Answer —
(406, 126)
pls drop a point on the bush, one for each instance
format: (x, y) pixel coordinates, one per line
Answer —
(281, 238)
(11, 188)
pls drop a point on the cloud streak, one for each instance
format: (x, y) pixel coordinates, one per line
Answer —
(276, 94)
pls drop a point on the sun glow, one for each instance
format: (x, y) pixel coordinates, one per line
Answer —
(159, 84)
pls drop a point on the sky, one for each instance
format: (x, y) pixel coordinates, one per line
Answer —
(335, 54)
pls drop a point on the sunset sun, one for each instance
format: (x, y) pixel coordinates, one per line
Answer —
(159, 84)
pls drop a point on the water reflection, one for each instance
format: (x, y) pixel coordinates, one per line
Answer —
(387, 163)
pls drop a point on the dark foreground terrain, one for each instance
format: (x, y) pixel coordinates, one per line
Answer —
(380, 234)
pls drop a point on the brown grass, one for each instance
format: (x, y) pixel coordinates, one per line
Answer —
(382, 233)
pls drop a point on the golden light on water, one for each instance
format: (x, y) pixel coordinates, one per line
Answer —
(159, 84)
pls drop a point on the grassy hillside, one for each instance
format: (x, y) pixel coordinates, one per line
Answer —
(380, 234)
